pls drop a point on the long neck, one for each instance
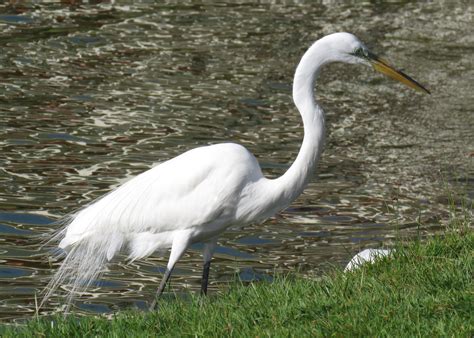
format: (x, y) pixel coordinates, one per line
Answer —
(291, 184)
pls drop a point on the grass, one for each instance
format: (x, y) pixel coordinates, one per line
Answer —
(425, 289)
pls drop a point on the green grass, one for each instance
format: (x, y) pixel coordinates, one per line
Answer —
(426, 289)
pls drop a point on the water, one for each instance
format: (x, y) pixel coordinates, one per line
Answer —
(91, 95)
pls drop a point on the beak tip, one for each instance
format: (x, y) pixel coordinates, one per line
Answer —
(424, 90)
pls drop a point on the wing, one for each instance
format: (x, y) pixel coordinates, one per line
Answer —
(196, 189)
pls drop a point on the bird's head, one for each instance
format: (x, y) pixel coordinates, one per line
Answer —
(348, 48)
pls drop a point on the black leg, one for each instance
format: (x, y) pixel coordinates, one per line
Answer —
(166, 276)
(205, 278)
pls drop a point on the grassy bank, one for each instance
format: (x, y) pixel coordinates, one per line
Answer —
(426, 289)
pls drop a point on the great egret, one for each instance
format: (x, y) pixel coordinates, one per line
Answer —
(197, 195)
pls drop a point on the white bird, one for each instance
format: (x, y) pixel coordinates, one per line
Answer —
(197, 195)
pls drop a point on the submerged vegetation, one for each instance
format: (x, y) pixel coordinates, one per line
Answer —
(424, 289)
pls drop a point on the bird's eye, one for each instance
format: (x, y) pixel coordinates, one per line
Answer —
(360, 52)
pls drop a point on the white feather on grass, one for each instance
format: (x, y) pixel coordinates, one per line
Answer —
(366, 256)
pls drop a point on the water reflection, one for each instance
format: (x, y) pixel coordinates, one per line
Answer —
(91, 95)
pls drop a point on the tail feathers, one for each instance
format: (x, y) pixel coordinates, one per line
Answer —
(85, 260)
(87, 253)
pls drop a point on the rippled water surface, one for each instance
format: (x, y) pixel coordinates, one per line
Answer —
(91, 95)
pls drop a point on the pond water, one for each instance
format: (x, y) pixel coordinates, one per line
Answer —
(93, 94)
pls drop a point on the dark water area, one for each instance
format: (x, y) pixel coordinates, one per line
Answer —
(92, 94)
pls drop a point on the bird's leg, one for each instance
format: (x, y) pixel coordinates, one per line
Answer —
(180, 244)
(205, 278)
(208, 251)
(161, 288)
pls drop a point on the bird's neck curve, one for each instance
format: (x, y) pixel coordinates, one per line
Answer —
(291, 184)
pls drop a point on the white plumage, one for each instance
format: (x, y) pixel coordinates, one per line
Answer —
(197, 195)
(365, 257)
(150, 210)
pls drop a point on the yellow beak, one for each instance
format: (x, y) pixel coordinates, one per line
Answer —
(383, 67)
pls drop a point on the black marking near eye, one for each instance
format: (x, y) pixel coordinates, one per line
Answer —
(360, 52)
